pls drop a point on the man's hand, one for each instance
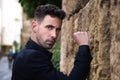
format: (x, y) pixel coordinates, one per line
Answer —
(81, 38)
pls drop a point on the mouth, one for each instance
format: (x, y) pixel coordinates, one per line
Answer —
(50, 42)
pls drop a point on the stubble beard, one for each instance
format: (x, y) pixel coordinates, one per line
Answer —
(44, 43)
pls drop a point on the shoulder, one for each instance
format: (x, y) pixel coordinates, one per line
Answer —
(27, 53)
(30, 55)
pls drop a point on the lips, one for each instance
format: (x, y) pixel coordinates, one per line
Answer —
(50, 42)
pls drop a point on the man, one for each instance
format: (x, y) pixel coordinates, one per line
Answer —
(34, 61)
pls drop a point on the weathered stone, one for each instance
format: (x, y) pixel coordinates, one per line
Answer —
(73, 6)
(101, 19)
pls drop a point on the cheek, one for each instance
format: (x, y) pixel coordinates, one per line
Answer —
(43, 34)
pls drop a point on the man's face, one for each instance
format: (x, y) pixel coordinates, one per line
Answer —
(47, 31)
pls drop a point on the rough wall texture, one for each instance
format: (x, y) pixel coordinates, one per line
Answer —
(101, 19)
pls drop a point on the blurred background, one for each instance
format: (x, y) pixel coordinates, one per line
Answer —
(15, 29)
(10, 35)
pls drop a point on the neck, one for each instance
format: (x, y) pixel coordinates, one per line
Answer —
(33, 37)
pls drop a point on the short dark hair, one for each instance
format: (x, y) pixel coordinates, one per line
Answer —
(48, 9)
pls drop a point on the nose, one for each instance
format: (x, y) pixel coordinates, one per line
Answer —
(54, 34)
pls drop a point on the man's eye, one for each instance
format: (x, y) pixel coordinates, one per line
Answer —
(50, 27)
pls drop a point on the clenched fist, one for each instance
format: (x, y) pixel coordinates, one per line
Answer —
(81, 38)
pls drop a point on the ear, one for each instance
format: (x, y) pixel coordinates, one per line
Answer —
(34, 26)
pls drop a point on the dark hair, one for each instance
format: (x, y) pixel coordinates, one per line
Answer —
(48, 9)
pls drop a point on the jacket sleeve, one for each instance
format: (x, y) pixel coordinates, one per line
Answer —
(80, 70)
(82, 64)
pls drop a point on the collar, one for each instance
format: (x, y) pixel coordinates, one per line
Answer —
(32, 45)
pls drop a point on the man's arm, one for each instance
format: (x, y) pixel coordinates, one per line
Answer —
(81, 65)
(83, 58)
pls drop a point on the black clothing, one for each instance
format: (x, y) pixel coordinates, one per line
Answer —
(34, 63)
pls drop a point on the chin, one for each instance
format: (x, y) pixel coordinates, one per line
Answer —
(50, 47)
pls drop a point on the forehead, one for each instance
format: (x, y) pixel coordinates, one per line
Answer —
(49, 20)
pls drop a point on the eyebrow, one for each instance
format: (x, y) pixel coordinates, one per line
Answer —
(53, 27)
(50, 25)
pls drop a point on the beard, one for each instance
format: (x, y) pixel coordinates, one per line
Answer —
(46, 43)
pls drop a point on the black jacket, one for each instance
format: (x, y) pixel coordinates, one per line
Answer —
(34, 63)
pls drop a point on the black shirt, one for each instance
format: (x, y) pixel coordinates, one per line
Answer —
(34, 63)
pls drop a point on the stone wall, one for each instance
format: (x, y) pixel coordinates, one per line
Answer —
(101, 19)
